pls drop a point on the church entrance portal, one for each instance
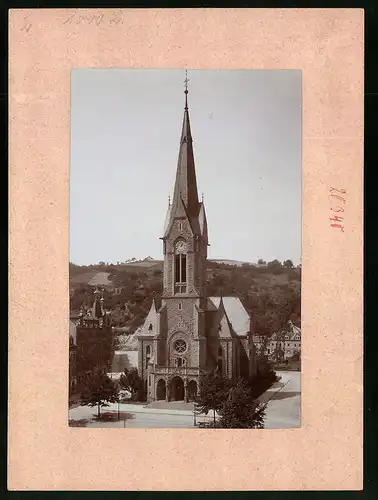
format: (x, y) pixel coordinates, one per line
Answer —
(177, 389)
(160, 389)
(192, 390)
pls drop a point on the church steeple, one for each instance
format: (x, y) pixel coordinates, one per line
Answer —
(185, 191)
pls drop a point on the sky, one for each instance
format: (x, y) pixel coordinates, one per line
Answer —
(125, 135)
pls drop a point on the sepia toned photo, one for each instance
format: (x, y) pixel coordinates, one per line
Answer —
(185, 249)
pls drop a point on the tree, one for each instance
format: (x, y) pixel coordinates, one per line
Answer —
(132, 382)
(261, 262)
(240, 410)
(213, 389)
(288, 264)
(99, 390)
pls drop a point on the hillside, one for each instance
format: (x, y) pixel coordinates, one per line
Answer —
(271, 292)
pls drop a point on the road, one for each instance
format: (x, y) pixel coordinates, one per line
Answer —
(133, 416)
(283, 410)
(151, 421)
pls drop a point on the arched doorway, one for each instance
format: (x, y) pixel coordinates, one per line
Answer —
(160, 389)
(192, 390)
(177, 389)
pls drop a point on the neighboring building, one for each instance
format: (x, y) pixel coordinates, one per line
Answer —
(123, 359)
(280, 346)
(190, 332)
(94, 339)
(121, 330)
(72, 356)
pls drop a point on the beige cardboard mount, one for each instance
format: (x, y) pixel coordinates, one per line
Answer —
(326, 452)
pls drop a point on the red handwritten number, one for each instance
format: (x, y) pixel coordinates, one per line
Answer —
(338, 226)
(337, 219)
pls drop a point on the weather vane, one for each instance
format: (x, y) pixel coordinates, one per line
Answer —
(186, 81)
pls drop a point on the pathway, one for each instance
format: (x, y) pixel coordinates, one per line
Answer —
(283, 399)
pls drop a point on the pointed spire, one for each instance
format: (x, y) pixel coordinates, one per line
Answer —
(186, 183)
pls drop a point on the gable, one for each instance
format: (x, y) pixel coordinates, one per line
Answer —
(150, 325)
(235, 311)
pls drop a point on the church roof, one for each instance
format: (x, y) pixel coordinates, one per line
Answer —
(167, 218)
(150, 325)
(235, 311)
(202, 219)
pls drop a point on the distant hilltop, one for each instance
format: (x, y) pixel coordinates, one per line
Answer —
(133, 260)
(151, 262)
(103, 273)
(230, 262)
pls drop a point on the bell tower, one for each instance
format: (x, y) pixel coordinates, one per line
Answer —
(185, 244)
(185, 237)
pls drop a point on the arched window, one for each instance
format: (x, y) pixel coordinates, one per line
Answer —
(180, 266)
(148, 355)
(180, 362)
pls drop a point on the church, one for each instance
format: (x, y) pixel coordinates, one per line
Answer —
(190, 332)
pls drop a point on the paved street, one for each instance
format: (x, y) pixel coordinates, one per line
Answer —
(133, 416)
(282, 411)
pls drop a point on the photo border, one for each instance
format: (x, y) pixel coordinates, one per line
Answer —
(39, 159)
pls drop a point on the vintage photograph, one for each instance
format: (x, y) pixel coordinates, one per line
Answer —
(185, 249)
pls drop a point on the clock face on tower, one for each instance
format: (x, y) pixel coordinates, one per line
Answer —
(180, 246)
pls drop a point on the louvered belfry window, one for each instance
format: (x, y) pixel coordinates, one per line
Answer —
(180, 267)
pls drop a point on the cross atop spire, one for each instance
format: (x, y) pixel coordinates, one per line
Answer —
(186, 81)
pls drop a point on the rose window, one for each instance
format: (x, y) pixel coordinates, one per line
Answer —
(179, 346)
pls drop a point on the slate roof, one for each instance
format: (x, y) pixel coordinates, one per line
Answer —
(235, 311)
(151, 319)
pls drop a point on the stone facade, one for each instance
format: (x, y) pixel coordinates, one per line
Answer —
(190, 332)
